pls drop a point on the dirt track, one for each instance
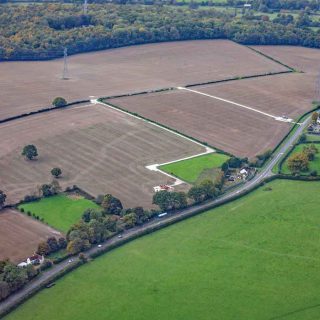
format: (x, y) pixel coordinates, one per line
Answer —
(98, 149)
(20, 235)
(30, 85)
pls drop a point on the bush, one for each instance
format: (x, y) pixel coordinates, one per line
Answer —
(56, 172)
(46, 265)
(29, 151)
(59, 102)
(21, 210)
(99, 199)
(303, 138)
(30, 198)
(313, 173)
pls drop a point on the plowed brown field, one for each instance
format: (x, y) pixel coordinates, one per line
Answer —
(20, 235)
(300, 58)
(287, 94)
(28, 86)
(100, 150)
(231, 128)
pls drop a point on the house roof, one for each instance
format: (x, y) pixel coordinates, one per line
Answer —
(35, 257)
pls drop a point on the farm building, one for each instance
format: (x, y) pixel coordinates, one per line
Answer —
(36, 259)
(163, 187)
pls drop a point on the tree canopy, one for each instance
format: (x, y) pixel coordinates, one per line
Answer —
(59, 102)
(30, 151)
(43, 30)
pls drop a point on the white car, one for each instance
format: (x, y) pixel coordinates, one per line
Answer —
(120, 236)
(99, 246)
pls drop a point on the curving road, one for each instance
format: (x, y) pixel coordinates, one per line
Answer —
(153, 225)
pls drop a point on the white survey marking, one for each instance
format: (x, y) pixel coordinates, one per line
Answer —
(283, 119)
(96, 101)
(155, 167)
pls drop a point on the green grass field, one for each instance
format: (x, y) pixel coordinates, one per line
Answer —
(313, 137)
(190, 170)
(313, 165)
(257, 258)
(60, 211)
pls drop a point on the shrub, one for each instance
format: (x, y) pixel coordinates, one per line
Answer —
(30, 198)
(59, 102)
(56, 172)
(30, 151)
(303, 138)
(21, 210)
(46, 265)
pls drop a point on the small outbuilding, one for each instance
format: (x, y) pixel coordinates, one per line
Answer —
(36, 259)
(163, 187)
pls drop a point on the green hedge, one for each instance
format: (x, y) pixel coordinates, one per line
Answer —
(237, 78)
(47, 109)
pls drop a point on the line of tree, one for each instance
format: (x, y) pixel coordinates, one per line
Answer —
(45, 29)
(98, 225)
(51, 245)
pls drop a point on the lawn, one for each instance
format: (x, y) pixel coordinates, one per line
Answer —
(313, 137)
(255, 258)
(313, 165)
(189, 170)
(60, 211)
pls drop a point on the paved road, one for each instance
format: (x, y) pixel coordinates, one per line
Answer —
(266, 172)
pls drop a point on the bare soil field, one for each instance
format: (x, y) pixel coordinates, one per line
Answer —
(300, 58)
(287, 94)
(28, 86)
(233, 129)
(20, 235)
(99, 149)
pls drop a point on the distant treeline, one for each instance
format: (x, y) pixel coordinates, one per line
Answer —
(271, 4)
(41, 31)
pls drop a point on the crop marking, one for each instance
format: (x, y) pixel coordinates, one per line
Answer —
(155, 167)
(282, 119)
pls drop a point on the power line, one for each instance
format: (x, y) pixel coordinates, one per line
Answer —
(65, 65)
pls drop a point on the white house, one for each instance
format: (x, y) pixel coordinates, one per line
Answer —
(36, 259)
(243, 173)
(22, 264)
